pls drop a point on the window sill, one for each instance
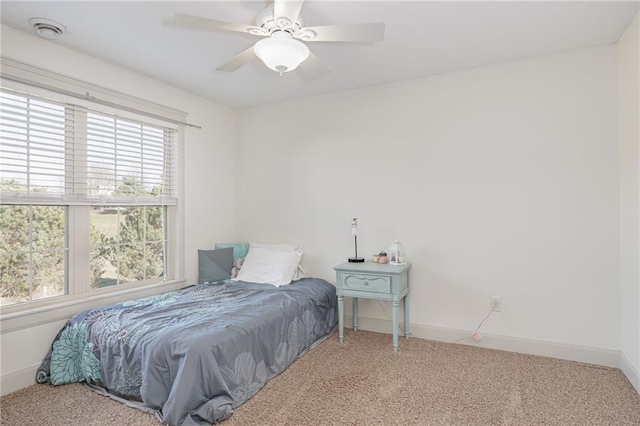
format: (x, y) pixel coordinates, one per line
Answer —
(64, 309)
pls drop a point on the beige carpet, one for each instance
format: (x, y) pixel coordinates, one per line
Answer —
(363, 383)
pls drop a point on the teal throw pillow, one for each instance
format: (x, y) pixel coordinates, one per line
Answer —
(240, 250)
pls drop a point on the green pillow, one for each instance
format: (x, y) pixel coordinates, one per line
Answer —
(214, 265)
(240, 250)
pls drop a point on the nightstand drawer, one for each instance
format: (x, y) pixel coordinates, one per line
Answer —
(372, 283)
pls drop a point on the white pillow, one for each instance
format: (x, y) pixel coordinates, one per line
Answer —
(299, 274)
(269, 266)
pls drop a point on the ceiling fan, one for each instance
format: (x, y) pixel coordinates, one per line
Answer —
(283, 49)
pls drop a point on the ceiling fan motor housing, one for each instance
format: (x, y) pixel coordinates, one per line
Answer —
(270, 23)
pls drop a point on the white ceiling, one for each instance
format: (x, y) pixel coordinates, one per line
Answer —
(422, 38)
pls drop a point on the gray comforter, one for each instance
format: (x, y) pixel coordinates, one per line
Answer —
(195, 354)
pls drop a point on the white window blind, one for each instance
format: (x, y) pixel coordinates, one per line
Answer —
(54, 152)
(32, 146)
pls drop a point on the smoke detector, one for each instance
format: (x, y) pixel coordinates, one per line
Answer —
(46, 28)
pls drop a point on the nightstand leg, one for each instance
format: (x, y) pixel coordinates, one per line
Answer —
(355, 314)
(396, 306)
(406, 317)
(340, 319)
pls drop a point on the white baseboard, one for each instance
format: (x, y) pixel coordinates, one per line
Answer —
(630, 371)
(17, 380)
(606, 357)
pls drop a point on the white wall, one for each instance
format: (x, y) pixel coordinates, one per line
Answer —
(628, 55)
(208, 157)
(500, 181)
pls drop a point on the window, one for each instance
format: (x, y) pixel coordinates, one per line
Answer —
(87, 198)
(33, 252)
(127, 244)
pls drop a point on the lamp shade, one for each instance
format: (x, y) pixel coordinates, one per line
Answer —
(281, 53)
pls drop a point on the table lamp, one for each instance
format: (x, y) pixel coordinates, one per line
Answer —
(354, 232)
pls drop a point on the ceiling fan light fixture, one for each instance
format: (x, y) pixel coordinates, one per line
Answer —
(281, 52)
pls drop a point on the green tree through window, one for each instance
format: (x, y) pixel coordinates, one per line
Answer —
(133, 249)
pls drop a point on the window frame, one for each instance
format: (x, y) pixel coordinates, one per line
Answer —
(78, 286)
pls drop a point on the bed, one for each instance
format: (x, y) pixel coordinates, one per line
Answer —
(191, 356)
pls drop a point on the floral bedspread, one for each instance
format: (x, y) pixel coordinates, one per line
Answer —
(194, 354)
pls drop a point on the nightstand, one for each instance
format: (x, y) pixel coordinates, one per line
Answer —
(373, 281)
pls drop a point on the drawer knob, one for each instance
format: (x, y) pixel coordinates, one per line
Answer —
(366, 283)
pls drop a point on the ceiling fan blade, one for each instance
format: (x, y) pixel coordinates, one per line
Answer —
(358, 33)
(288, 9)
(313, 67)
(237, 61)
(197, 23)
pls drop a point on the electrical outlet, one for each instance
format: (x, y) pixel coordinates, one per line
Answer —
(496, 304)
